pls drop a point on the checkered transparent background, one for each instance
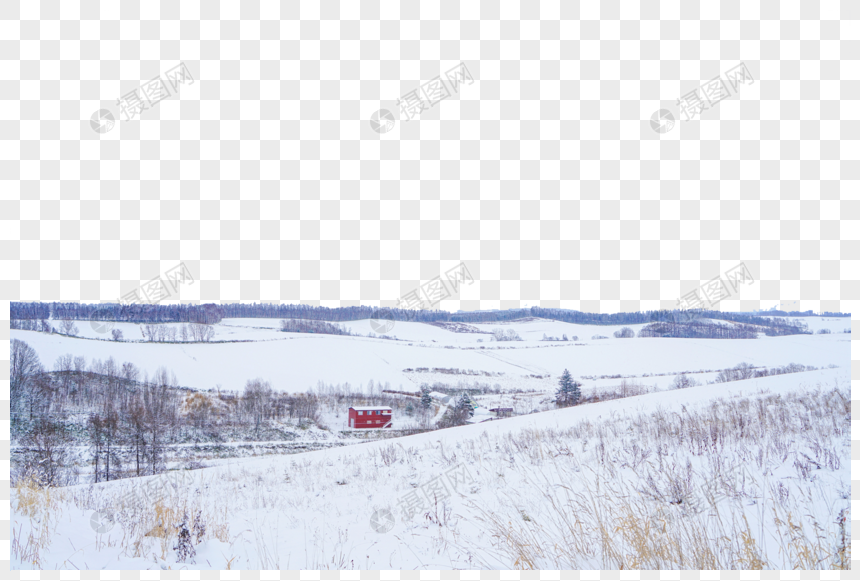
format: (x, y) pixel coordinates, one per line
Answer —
(544, 176)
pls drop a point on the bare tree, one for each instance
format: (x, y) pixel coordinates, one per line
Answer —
(80, 364)
(40, 395)
(63, 368)
(49, 456)
(63, 363)
(745, 370)
(138, 428)
(96, 435)
(116, 334)
(200, 332)
(24, 365)
(110, 427)
(683, 381)
(256, 400)
(149, 332)
(130, 372)
(68, 328)
(624, 333)
(736, 373)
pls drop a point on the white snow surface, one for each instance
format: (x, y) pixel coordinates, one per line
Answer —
(320, 517)
(295, 362)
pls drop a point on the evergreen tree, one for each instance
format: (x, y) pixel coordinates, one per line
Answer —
(426, 400)
(465, 406)
(568, 390)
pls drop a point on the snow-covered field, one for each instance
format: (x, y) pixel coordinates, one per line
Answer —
(671, 479)
(715, 476)
(294, 362)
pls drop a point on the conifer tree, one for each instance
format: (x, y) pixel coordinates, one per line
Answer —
(426, 400)
(464, 405)
(568, 392)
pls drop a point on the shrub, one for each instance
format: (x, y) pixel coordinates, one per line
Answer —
(683, 381)
(509, 335)
(624, 333)
(184, 549)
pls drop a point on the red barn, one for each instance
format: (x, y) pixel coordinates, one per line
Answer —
(370, 417)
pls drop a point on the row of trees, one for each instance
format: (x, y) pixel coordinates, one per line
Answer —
(506, 335)
(748, 371)
(196, 332)
(211, 314)
(155, 332)
(311, 326)
(563, 338)
(699, 329)
(207, 314)
(43, 326)
(739, 372)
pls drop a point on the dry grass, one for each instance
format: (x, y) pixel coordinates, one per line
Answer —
(41, 506)
(629, 497)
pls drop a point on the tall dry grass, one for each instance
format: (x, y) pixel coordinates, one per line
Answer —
(746, 483)
(41, 507)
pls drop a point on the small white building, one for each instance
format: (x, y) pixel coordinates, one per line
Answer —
(441, 397)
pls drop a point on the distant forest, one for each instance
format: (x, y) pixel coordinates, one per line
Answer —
(213, 313)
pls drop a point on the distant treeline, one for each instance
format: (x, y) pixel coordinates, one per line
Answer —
(212, 313)
(706, 329)
(207, 314)
(803, 314)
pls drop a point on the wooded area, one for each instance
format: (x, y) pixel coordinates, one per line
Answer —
(212, 313)
(125, 418)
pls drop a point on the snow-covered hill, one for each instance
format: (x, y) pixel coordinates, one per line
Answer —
(713, 476)
(294, 362)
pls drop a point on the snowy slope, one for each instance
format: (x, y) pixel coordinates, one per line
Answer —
(315, 510)
(294, 362)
